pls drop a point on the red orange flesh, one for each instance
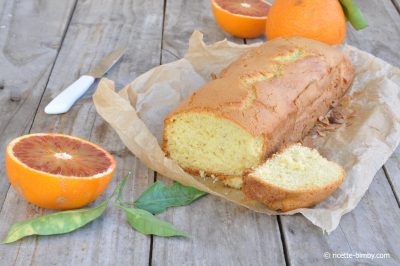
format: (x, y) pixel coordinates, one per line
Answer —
(58, 171)
(241, 18)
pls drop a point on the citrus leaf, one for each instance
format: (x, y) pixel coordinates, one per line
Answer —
(59, 222)
(353, 14)
(119, 188)
(55, 223)
(158, 197)
(146, 223)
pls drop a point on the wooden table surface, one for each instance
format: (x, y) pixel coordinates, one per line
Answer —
(46, 44)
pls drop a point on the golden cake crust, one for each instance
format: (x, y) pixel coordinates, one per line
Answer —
(277, 91)
(283, 199)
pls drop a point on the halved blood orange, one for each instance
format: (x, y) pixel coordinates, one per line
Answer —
(58, 171)
(241, 18)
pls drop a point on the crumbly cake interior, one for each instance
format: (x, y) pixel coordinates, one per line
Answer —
(201, 140)
(298, 167)
(270, 97)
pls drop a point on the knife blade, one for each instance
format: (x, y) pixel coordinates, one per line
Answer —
(63, 102)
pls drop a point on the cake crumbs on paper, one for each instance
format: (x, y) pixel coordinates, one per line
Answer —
(202, 174)
(338, 116)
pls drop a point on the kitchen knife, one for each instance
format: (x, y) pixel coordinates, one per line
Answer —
(64, 101)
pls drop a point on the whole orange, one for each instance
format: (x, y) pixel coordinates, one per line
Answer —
(314, 19)
(58, 171)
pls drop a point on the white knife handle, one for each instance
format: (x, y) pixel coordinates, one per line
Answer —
(63, 102)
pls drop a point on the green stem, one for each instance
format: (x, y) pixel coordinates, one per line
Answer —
(353, 14)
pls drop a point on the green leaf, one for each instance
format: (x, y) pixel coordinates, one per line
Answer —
(59, 222)
(121, 185)
(353, 14)
(55, 223)
(146, 223)
(158, 197)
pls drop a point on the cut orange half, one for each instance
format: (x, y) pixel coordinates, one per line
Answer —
(241, 18)
(58, 171)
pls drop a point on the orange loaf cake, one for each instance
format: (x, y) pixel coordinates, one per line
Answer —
(270, 97)
(295, 177)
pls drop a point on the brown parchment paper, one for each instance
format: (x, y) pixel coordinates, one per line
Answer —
(137, 112)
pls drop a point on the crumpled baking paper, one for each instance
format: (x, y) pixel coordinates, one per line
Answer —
(137, 112)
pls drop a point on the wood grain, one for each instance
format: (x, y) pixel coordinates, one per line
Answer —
(371, 226)
(97, 27)
(222, 233)
(181, 19)
(392, 170)
(31, 33)
(396, 3)
(382, 38)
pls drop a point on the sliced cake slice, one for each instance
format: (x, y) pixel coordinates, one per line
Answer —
(270, 97)
(296, 177)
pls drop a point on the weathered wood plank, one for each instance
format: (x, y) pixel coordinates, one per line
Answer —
(396, 3)
(182, 18)
(105, 241)
(392, 170)
(97, 27)
(31, 33)
(382, 39)
(371, 227)
(392, 166)
(222, 233)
